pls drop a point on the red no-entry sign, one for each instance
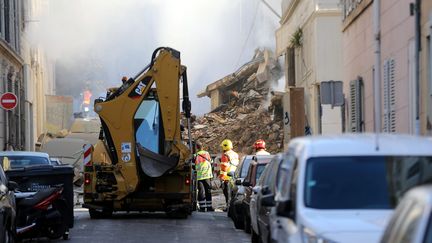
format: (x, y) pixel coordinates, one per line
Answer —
(8, 101)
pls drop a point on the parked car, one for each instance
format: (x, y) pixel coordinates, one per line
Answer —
(8, 209)
(344, 188)
(236, 191)
(255, 170)
(412, 219)
(262, 201)
(19, 159)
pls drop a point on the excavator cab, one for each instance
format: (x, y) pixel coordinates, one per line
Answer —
(141, 161)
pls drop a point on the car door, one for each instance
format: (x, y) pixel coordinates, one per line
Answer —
(254, 202)
(267, 189)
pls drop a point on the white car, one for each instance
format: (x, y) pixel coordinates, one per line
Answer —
(412, 220)
(344, 188)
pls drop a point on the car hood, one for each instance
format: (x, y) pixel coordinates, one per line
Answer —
(348, 225)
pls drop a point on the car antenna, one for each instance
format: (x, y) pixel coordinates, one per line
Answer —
(376, 141)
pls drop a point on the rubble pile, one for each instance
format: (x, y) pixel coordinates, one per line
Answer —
(247, 115)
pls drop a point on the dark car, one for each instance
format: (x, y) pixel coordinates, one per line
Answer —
(236, 191)
(262, 201)
(255, 170)
(7, 208)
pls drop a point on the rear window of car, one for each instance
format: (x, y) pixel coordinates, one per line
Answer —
(245, 167)
(259, 170)
(23, 161)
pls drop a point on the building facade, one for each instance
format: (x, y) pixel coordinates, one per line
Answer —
(310, 38)
(26, 72)
(398, 85)
(12, 122)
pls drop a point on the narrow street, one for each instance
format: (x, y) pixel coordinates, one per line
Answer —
(155, 227)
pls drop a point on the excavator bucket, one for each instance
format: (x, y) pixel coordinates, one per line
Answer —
(153, 164)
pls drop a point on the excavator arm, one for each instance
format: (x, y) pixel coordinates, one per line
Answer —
(125, 115)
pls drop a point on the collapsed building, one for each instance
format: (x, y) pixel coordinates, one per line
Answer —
(244, 107)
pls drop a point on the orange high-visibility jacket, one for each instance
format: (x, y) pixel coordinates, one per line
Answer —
(229, 162)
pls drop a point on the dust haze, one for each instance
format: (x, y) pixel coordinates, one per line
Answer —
(96, 42)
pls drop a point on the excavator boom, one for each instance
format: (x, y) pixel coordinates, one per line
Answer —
(141, 150)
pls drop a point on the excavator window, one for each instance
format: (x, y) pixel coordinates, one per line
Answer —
(147, 125)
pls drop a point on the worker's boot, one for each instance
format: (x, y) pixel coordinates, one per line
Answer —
(210, 209)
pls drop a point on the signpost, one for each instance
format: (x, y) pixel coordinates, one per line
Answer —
(8, 101)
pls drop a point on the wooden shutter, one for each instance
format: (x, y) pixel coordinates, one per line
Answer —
(356, 106)
(389, 96)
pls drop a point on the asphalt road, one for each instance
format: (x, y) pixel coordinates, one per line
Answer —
(155, 227)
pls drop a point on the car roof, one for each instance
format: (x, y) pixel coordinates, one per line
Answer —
(24, 153)
(364, 144)
(421, 194)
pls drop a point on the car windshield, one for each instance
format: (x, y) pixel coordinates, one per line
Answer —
(259, 170)
(372, 182)
(245, 166)
(25, 160)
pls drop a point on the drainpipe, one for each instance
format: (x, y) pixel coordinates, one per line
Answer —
(377, 73)
(27, 114)
(415, 10)
(6, 117)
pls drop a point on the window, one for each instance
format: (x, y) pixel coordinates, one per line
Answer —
(259, 170)
(356, 105)
(147, 125)
(293, 188)
(6, 7)
(389, 96)
(245, 167)
(339, 182)
(283, 177)
(23, 161)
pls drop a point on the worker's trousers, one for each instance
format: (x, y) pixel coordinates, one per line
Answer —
(204, 195)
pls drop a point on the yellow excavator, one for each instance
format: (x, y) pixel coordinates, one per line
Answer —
(141, 161)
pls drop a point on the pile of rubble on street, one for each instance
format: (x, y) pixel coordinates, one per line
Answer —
(246, 108)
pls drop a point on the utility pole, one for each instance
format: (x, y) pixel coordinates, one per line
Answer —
(377, 73)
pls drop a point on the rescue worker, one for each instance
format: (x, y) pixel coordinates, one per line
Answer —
(229, 162)
(260, 147)
(203, 166)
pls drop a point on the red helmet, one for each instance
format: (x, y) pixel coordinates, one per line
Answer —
(259, 144)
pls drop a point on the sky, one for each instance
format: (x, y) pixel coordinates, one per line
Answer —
(96, 42)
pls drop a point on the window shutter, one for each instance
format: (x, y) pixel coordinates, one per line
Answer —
(356, 116)
(389, 96)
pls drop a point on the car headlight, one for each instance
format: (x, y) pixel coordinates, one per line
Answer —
(308, 236)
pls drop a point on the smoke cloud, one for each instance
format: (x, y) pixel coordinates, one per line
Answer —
(96, 42)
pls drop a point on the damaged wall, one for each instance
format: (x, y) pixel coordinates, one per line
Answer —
(249, 108)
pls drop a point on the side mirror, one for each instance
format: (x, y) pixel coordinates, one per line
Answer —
(12, 185)
(256, 189)
(283, 208)
(246, 183)
(265, 190)
(238, 182)
(268, 201)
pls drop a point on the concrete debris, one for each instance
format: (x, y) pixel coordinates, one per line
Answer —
(243, 117)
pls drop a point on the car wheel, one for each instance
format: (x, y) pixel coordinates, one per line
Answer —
(96, 214)
(247, 226)
(9, 236)
(238, 224)
(255, 238)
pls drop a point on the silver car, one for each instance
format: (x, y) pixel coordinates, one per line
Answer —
(412, 220)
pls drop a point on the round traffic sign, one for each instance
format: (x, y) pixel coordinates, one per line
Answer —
(8, 101)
